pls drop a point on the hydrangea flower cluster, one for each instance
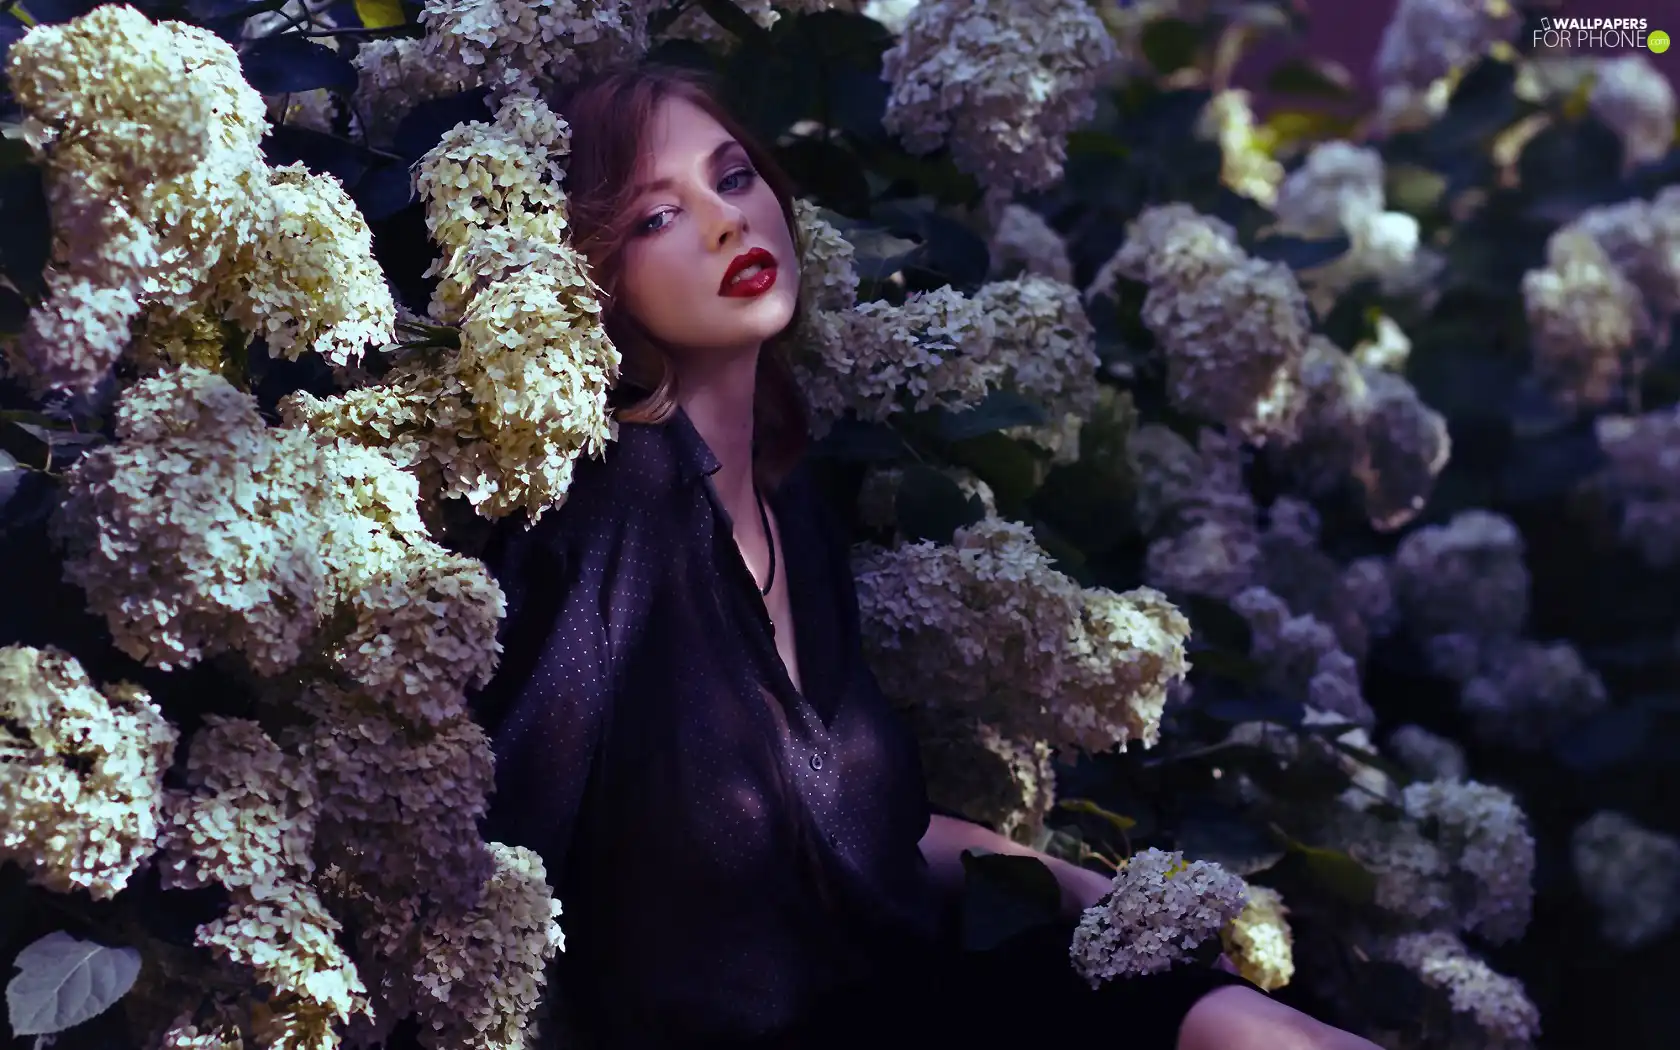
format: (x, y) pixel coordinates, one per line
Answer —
(501, 419)
(1633, 97)
(513, 47)
(1486, 834)
(827, 261)
(1587, 322)
(1232, 328)
(1643, 479)
(1000, 82)
(1631, 874)
(1363, 422)
(1428, 756)
(1338, 190)
(971, 768)
(1160, 909)
(1493, 1010)
(986, 628)
(1259, 941)
(161, 199)
(83, 787)
(1426, 40)
(942, 349)
(1022, 242)
(696, 24)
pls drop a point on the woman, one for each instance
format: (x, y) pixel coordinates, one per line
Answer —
(684, 725)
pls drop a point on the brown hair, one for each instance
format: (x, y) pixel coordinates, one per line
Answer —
(609, 115)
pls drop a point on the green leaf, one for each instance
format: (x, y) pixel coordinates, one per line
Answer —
(1313, 77)
(1004, 896)
(1340, 874)
(1300, 253)
(1088, 808)
(11, 476)
(62, 981)
(931, 506)
(1171, 44)
(879, 254)
(288, 63)
(998, 410)
(1003, 463)
(1227, 838)
(380, 14)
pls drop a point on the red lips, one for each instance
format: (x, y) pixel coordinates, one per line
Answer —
(756, 284)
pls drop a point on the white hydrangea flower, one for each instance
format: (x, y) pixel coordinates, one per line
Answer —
(1643, 478)
(1585, 321)
(1495, 1007)
(527, 48)
(148, 136)
(485, 969)
(505, 174)
(1082, 668)
(81, 773)
(502, 420)
(1196, 509)
(1387, 349)
(878, 359)
(1426, 40)
(827, 261)
(393, 75)
(1259, 941)
(246, 819)
(1022, 242)
(1001, 82)
(1642, 239)
(1161, 908)
(1232, 328)
(1370, 588)
(1464, 577)
(1427, 755)
(1634, 98)
(1631, 874)
(1039, 325)
(1486, 833)
(197, 532)
(1246, 169)
(1336, 182)
(306, 961)
(308, 280)
(1527, 693)
(894, 14)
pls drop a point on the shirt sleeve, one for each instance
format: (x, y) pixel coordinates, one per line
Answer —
(577, 597)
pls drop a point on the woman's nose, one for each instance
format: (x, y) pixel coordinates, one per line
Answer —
(727, 222)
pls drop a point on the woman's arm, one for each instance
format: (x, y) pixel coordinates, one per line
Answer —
(947, 837)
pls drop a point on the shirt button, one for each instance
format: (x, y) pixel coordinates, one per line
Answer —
(834, 840)
(816, 761)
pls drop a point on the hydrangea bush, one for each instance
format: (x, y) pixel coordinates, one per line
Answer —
(1272, 505)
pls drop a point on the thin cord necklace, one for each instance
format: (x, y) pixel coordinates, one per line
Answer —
(769, 541)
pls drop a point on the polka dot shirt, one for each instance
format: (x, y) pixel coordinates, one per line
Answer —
(727, 849)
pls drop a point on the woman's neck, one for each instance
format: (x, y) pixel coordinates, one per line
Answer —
(719, 402)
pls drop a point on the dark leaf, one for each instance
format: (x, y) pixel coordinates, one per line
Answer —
(1339, 873)
(289, 63)
(1551, 466)
(952, 251)
(14, 311)
(426, 124)
(1227, 664)
(999, 410)
(1086, 502)
(14, 153)
(856, 102)
(1216, 625)
(1314, 77)
(1005, 896)
(827, 173)
(1581, 159)
(732, 18)
(930, 506)
(1248, 705)
(1299, 253)
(26, 219)
(1236, 843)
(34, 499)
(879, 254)
(1483, 104)
(1606, 740)
(855, 441)
(1004, 464)
(1171, 44)
(384, 191)
(320, 153)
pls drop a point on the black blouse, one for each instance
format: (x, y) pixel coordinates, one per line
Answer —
(727, 850)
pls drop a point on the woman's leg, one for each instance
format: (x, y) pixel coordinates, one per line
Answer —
(1240, 1018)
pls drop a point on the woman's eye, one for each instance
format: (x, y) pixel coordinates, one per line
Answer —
(737, 179)
(654, 223)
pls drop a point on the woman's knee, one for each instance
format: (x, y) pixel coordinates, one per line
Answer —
(1239, 1018)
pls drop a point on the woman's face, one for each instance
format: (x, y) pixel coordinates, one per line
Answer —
(701, 219)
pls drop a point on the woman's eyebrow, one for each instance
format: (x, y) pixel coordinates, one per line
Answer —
(711, 158)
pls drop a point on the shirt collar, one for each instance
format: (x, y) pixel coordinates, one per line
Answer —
(694, 456)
